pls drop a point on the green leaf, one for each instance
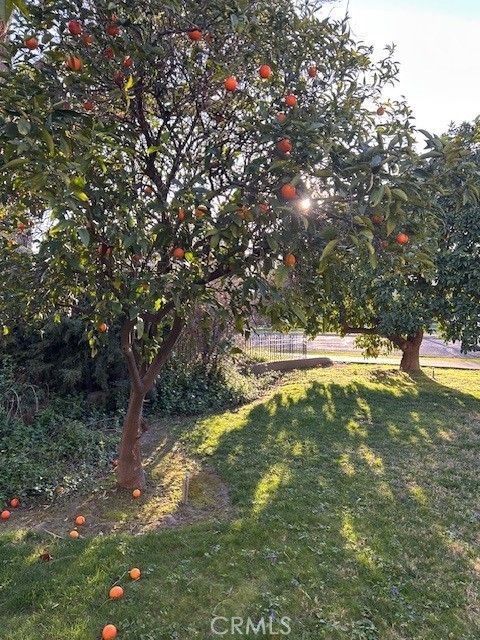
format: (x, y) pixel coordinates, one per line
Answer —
(377, 196)
(399, 194)
(329, 249)
(24, 127)
(81, 195)
(16, 162)
(84, 236)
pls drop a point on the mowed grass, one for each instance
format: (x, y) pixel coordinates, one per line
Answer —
(354, 511)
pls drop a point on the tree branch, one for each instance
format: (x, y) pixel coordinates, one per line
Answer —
(127, 349)
(163, 354)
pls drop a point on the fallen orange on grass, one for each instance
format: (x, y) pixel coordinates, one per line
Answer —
(116, 593)
(80, 521)
(14, 502)
(135, 574)
(5, 515)
(109, 632)
(74, 535)
(231, 83)
(136, 493)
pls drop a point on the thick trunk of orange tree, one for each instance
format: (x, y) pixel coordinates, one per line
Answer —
(410, 362)
(130, 473)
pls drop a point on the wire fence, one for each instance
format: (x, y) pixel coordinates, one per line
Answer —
(267, 345)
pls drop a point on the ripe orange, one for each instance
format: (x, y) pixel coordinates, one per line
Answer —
(243, 212)
(87, 40)
(178, 254)
(264, 208)
(21, 226)
(119, 77)
(31, 43)
(135, 574)
(103, 327)
(231, 83)
(109, 632)
(88, 105)
(5, 515)
(113, 30)
(201, 211)
(377, 218)
(195, 35)
(74, 535)
(289, 192)
(116, 593)
(181, 214)
(265, 72)
(281, 117)
(291, 100)
(74, 63)
(74, 27)
(109, 53)
(149, 190)
(290, 260)
(14, 503)
(402, 239)
(312, 71)
(380, 111)
(284, 145)
(128, 62)
(80, 521)
(136, 493)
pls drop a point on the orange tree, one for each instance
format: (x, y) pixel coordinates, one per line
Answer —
(158, 155)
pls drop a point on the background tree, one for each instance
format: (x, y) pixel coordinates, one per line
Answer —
(166, 154)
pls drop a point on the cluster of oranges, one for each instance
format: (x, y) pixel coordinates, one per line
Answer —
(110, 631)
(14, 503)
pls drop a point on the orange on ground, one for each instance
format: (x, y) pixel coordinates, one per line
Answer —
(80, 521)
(109, 632)
(265, 72)
(74, 534)
(116, 593)
(289, 192)
(291, 100)
(231, 83)
(136, 493)
(14, 502)
(134, 574)
(5, 515)
(290, 260)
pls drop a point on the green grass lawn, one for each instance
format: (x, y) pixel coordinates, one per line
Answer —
(353, 511)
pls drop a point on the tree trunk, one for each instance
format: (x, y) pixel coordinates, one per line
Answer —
(411, 353)
(130, 474)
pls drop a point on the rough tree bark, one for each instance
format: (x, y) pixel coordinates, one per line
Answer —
(410, 362)
(130, 473)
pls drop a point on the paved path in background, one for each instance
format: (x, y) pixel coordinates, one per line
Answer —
(432, 347)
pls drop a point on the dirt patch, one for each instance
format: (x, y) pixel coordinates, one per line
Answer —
(180, 490)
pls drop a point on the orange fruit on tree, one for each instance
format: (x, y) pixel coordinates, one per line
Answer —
(312, 71)
(116, 593)
(31, 43)
(21, 226)
(128, 62)
(291, 100)
(195, 35)
(231, 83)
(87, 40)
(243, 212)
(201, 211)
(74, 535)
(284, 145)
(88, 105)
(402, 239)
(380, 111)
(74, 63)
(80, 521)
(265, 72)
(281, 117)
(384, 244)
(119, 77)
(181, 214)
(5, 515)
(136, 493)
(149, 190)
(103, 327)
(289, 192)
(109, 53)
(14, 503)
(113, 30)
(377, 218)
(178, 254)
(74, 27)
(264, 208)
(109, 632)
(290, 260)
(135, 574)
